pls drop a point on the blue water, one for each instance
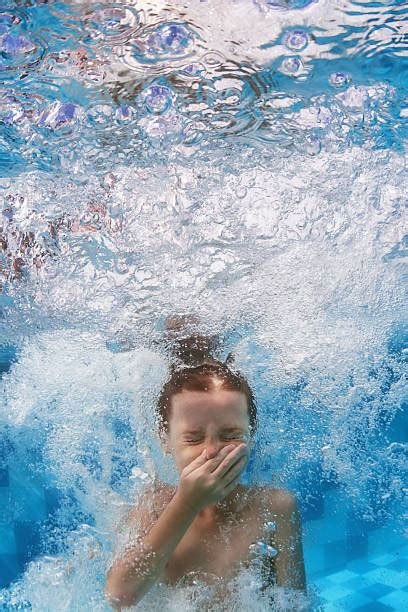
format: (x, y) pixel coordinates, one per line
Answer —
(245, 161)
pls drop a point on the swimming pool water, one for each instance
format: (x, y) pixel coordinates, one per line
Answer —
(245, 161)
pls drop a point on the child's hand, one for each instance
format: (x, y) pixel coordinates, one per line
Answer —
(207, 481)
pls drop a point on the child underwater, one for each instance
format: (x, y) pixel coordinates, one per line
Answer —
(209, 525)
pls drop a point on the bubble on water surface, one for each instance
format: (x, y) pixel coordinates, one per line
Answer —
(19, 52)
(296, 40)
(163, 130)
(292, 65)
(157, 99)
(193, 70)
(59, 114)
(213, 58)
(339, 79)
(124, 113)
(12, 44)
(114, 24)
(170, 38)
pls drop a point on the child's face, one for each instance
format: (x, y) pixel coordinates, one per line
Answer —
(206, 420)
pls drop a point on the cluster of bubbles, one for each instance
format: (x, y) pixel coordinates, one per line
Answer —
(193, 96)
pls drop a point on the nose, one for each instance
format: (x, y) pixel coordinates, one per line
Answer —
(213, 447)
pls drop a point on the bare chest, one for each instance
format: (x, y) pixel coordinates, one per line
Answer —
(213, 550)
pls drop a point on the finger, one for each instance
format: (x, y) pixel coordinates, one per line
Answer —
(231, 486)
(212, 464)
(235, 470)
(196, 463)
(231, 459)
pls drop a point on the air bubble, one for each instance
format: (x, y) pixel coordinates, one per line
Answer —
(296, 40)
(170, 38)
(193, 70)
(339, 79)
(313, 144)
(264, 549)
(100, 114)
(270, 526)
(213, 58)
(157, 99)
(16, 45)
(58, 114)
(292, 65)
(138, 474)
(113, 24)
(124, 113)
(19, 52)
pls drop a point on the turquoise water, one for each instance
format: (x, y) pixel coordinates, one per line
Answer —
(245, 161)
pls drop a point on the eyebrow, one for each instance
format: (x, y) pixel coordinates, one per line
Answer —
(224, 429)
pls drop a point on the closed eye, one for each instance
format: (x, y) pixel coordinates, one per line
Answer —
(238, 435)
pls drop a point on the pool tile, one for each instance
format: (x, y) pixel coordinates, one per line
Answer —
(353, 601)
(401, 552)
(320, 531)
(342, 576)
(9, 569)
(333, 511)
(335, 555)
(376, 590)
(356, 546)
(399, 565)
(384, 540)
(4, 477)
(315, 559)
(322, 583)
(361, 566)
(30, 495)
(398, 600)
(313, 508)
(7, 504)
(7, 540)
(335, 592)
(397, 580)
(374, 606)
(383, 559)
(27, 536)
(359, 583)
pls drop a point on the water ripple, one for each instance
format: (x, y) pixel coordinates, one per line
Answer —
(153, 78)
(113, 23)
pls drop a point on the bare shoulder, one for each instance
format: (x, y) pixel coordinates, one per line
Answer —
(271, 499)
(150, 504)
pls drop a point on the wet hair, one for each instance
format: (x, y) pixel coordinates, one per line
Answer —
(194, 369)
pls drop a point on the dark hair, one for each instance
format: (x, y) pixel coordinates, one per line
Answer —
(196, 370)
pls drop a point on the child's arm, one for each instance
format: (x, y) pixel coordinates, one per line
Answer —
(202, 482)
(289, 563)
(135, 572)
